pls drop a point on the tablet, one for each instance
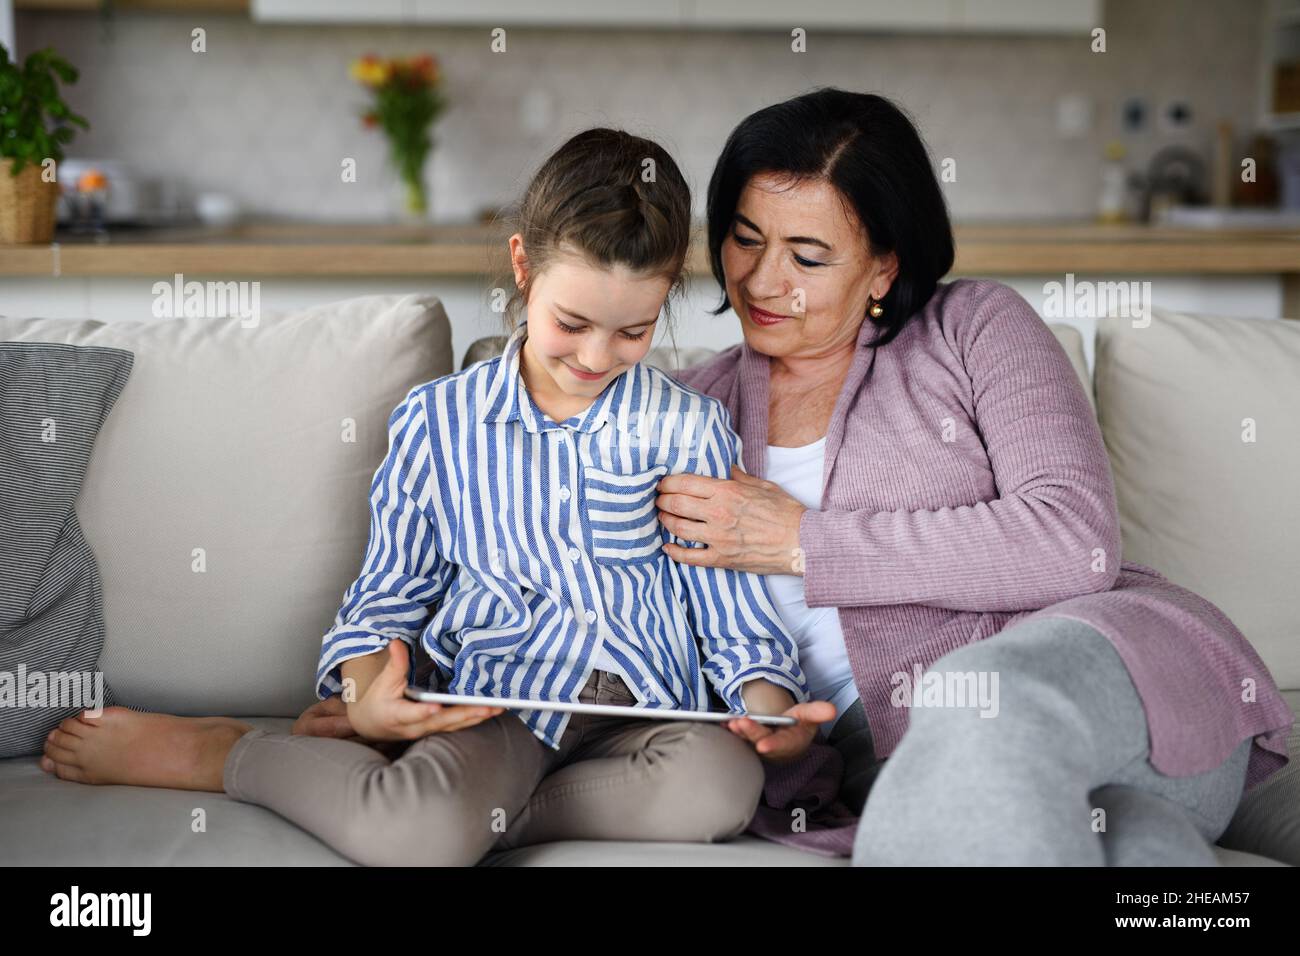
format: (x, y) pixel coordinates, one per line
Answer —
(600, 710)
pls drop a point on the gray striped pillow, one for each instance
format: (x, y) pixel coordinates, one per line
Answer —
(53, 400)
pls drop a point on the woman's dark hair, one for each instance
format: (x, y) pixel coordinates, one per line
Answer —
(864, 146)
(615, 199)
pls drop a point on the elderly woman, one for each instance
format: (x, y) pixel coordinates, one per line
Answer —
(928, 489)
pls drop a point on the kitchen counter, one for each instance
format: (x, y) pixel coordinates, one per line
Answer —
(350, 258)
(345, 249)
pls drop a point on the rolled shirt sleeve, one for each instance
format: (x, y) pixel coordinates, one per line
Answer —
(402, 575)
(741, 635)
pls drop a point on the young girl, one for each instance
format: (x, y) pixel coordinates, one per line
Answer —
(515, 548)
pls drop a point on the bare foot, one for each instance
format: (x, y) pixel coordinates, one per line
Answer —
(144, 750)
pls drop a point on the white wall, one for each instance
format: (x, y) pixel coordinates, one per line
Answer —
(268, 112)
(7, 25)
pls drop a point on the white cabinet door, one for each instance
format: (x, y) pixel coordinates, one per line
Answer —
(1029, 16)
(331, 11)
(863, 15)
(567, 13)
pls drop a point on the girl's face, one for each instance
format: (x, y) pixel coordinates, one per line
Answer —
(799, 270)
(586, 324)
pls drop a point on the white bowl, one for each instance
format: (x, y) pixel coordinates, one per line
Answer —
(216, 209)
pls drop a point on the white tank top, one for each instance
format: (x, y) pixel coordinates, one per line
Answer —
(816, 630)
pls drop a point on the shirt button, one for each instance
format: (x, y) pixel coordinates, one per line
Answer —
(590, 616)
(564, 493)
(573, 554)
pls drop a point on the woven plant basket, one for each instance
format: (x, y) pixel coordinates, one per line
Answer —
(27, 204)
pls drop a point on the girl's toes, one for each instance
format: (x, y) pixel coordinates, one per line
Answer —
(67, 772)
(61, 740)
(71, 725)
(60, 755)
(47, 764)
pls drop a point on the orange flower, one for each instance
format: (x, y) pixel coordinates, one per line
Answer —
(426, 68)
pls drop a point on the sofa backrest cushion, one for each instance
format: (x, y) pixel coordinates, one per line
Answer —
(227, 497)
(1201, 417)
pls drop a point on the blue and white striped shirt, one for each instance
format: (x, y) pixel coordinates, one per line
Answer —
(524, 553)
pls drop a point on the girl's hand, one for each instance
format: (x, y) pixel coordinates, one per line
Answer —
(748, 523)
(325, 718)
(783, 744)
(384, 712)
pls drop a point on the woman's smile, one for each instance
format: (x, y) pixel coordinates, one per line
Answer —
(763, 317)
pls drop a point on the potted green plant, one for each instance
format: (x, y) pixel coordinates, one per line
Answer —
(35, 125)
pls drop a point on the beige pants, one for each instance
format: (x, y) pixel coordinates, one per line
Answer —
(448, 799)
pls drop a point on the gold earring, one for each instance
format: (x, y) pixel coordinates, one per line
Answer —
(876, 310)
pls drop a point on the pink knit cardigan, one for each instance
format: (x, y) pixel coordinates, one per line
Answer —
(966, 487)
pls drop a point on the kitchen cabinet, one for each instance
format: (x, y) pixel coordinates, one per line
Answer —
(1279, 76)
(936, 16)
(113, 298)
(838, 14)
(141, 6)
(553, 13)
(332, 11)
(1216, 271)
(1028, 16)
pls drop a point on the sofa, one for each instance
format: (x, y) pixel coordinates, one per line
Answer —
(226, 504)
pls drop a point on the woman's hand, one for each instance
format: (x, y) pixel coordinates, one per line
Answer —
(783, 744)
(748, 523)
(384, 713)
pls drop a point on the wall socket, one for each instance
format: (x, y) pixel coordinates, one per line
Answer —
(1134, 115)
(1175, 116)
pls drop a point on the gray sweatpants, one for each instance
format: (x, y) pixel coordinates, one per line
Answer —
(448, 799)
(1059, 777)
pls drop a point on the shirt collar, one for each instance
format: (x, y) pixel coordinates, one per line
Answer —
(508, 400)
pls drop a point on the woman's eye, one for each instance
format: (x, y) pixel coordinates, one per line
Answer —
(629, 335)
(745, 243)
(567, 328)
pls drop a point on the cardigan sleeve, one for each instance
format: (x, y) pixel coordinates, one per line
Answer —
(1051, 534)
(403, 575)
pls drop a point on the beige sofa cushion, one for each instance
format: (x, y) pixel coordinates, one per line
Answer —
(225, 504)
(1210, 511)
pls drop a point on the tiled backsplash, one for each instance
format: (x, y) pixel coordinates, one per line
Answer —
(268, 113)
